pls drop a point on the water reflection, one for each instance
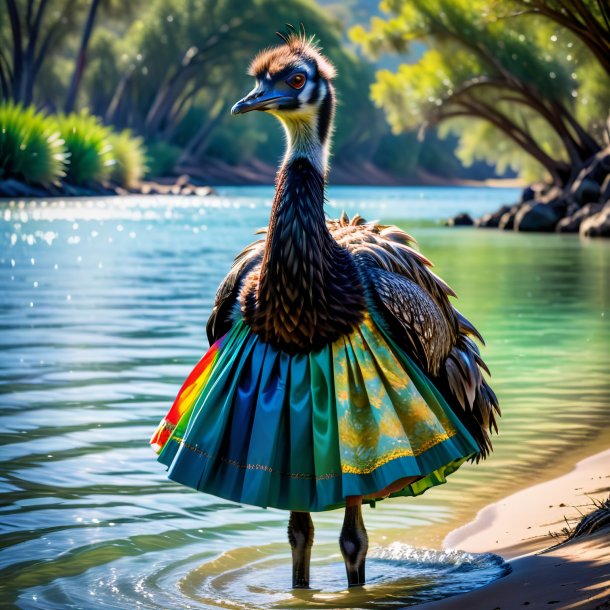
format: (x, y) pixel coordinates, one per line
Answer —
(102, 315)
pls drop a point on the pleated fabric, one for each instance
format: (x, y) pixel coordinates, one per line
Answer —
(302, 432)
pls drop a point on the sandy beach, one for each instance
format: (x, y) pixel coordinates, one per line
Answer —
(521, 528)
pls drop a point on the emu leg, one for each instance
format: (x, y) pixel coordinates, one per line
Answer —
(300, 536)
(354, 543)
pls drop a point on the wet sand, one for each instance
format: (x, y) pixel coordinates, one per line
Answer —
(571, 576)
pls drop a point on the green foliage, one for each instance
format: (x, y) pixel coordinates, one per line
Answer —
(87, 143)
(77, 147)
(129, 159)
(188, 58)
(30, 146)
(480, 141)
(521, 78)
(161, 158)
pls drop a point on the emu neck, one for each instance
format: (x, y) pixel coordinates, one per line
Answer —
(298, 225)
(307, 294)
(298, 240)
(303, 142)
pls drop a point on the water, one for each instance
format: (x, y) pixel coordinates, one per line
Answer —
(102, 315)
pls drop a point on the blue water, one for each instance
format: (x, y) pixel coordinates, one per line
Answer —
(413, 203)
(102, 316)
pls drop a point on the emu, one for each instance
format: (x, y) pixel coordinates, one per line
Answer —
(339, 372)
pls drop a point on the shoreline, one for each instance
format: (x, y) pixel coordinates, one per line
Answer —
(568, 576)
(520, 523)
(11, 189)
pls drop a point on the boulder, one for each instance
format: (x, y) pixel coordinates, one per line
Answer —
(528, 194)
(585, 191)
(597, 225)
(204, 191)
(571, 224)
(492, 219)
(460, 220)
(586, 188)
(550, 194)
(605, 189)
(536, 216)
(17, 188)
(507, 220)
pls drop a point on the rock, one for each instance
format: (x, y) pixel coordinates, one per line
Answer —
(507, 220)
(572, 223)
(536, 191)
(492, 219)
(17, 188)
(528, 194)
(536, 217)
(204, 191)
(587, 186)
(571, 209)
(550, 194)
(605, 189)
(461, 220)
(585, 191)
(597, 225)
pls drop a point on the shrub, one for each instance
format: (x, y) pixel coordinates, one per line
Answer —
(87, 143)
(129, 158)
(31, 148)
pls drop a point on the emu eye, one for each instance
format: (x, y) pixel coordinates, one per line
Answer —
(297, 81)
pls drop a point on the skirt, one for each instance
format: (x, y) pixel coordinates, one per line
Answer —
(301, 432)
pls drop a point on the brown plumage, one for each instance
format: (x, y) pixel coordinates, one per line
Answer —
(309, 280)
(276, 59)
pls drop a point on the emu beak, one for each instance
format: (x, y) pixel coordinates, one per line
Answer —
(259, 99)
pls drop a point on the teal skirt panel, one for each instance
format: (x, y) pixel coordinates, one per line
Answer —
(302, 432)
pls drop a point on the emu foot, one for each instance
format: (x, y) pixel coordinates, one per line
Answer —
(354, 544)
(300, 536)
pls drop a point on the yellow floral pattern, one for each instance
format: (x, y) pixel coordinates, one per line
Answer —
(381, 414)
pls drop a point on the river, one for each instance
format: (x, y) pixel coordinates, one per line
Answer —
(102, 315)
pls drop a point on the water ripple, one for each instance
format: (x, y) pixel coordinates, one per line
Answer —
(101, 318)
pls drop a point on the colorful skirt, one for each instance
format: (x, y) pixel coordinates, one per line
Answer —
(302, 432)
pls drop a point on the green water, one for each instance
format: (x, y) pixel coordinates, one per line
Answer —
(102, 316)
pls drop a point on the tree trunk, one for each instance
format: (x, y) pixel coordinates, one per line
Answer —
(200, 141)
(558, 170)
(17, 36)
(81, 59)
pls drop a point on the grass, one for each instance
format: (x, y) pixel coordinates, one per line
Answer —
(31, 148)
(129, 159)
(596, 520)
(87, 143)
(75, 148)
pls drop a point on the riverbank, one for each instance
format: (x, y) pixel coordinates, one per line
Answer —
(203, 183)
(574, 576)
(519, 527)
(580, 206)
(528, 520)
(181, 185)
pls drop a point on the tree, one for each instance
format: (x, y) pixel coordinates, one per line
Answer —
(79, 67)
(29, 36)
(589, 20)
(485, 68)
(183, 64)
